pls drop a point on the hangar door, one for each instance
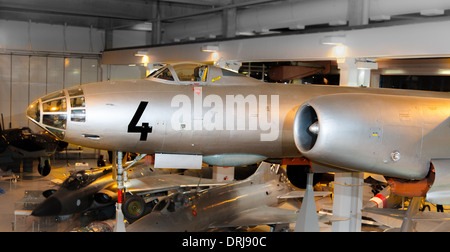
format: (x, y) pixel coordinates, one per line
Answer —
(24, 78)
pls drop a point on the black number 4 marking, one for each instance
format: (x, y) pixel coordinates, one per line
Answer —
(144, 129)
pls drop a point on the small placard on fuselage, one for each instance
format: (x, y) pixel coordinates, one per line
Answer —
(178, 161)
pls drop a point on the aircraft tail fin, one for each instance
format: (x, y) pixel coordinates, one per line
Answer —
(265, 172)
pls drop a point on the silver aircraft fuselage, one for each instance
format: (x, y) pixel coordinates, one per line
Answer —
(231, 120)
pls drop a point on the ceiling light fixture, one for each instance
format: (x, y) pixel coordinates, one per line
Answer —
(333, 40)
(141, 53)
(210, 48)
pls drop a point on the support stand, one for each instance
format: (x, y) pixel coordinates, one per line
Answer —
(347, 201)
(307, 220)
(355, 72)
(120, 225)
(408, 225)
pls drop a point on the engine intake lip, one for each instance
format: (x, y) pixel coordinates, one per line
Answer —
(102, 198)
(305, 117)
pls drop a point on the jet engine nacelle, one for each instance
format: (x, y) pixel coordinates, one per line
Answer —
(105, 197)
(384, 134)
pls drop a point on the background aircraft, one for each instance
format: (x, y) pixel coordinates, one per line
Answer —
(21, 145)
(191, 113)
(96, 188)
(248, 202)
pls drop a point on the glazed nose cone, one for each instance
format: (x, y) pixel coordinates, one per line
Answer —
(51, 111)
(34, 112)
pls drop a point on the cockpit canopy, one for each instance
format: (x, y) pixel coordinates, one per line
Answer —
(83, 178)
(198, 74)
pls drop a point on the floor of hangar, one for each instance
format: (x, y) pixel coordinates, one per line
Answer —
(29, 188)
(21, 196)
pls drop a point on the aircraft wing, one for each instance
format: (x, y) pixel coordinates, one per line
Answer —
(261, 216)
(400, 214)
(301, 194)
(431, 216)
(160, 183)
(430, 221)
(393, 213)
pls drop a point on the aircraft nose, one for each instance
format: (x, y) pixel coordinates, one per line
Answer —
(53, 111)
(50, 113)
(50, 207)
(34, 112)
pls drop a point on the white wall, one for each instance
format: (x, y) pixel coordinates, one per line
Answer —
(37, 59)
(124, 38)
(24, 78)
(16, 35)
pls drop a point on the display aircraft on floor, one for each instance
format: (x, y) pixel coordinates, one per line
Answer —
(250, 202)
(21, 145)
(96, 188)
(193, 113)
